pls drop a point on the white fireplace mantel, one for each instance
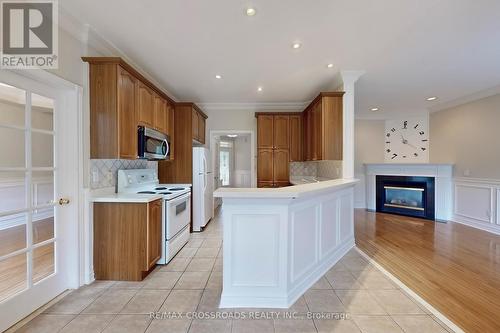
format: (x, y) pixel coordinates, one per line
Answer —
(442, 173)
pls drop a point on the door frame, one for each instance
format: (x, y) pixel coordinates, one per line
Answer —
(72, 96)
(253, 145)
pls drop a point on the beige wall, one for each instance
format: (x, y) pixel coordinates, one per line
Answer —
(368, 143)
(468, 136)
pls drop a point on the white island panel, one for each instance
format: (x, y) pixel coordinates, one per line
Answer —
(277, 247)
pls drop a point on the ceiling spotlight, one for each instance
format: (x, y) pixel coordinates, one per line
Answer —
(329, 65)
(251, 11)
(432, 98)
(296, 45)
(218, 76)
(259, 89)
(232, 135)
(374, 109)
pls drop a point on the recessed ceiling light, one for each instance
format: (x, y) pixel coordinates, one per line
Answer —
(259, 89)
(374, 109)
(251, 11)
(232, 135)
(218, 76)
(432, 98)
(329, 65)
(296, 45)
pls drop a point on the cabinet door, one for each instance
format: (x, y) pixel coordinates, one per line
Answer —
(154, 237)
(160, 113)
(308, 135)
(145, 105)
(265, 131)
(201, 128)
(317, 132)
(281, 132)
(296, 138)
(127, 121)
(265, 165)
(281, 166)
(195, 125)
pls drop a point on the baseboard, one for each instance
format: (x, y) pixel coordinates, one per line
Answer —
(414, 295)
(492, 228)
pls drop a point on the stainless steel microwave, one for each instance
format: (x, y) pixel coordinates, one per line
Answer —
(152, 145)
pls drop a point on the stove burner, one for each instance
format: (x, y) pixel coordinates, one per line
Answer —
(165, 192)
(176, 189)
(146, 192)
(160, 188)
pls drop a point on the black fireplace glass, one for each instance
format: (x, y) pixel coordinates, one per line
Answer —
(404, 197)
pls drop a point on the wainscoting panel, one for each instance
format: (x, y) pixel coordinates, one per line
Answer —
(304, 231)
(477, 203)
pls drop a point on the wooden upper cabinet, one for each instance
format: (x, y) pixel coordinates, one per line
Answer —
(323, 126)
(265, 135)
(171, 128)
(127, 124)
(160, 114)
(154, 233)
(145, 105)
(281, 132)
(201, 129)
(296, 138)
(195, 125)
(120, 100)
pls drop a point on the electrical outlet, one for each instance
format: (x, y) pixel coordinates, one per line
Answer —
(95, 176)
(466, 173)
(109, 176)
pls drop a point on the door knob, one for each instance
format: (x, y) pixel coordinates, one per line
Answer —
(63, 201)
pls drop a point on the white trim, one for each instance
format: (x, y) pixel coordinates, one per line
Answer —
(466, 99)
(451, 325)
(253, 149)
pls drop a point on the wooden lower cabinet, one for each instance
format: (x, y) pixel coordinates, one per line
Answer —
(127, 239)
(272, 168)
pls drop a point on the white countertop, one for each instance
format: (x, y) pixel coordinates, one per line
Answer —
(295, 191)
(108, 195)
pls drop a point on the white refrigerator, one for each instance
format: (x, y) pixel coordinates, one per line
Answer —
(203, 188)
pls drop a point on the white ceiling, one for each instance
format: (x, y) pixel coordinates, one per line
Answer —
(409, 49)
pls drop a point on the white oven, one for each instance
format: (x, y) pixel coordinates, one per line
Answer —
(178, 214)
(176, 219)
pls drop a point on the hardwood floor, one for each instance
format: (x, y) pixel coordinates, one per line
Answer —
(13, 270)
(453, 267)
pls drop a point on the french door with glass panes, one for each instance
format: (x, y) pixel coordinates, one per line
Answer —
(33, 129)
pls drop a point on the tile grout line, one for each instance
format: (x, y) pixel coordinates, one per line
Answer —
(451, 325)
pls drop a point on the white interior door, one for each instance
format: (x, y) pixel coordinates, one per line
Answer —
(38, 188)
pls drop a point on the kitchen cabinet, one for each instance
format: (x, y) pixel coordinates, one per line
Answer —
(265, 165)
(188, 130)
(265, 127)
(281, 167)
(281, 132)
(145, 105)
(154, 237)
(160, 114)
(324, 127)
(198, 125)
(121, 99)
(127, 239)
(296, 138)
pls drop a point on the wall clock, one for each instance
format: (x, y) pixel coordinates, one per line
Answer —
(407, 140)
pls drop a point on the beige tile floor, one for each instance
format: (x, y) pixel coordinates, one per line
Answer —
(192, 281)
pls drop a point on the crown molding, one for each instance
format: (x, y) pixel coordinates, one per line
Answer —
(466, 99)
(299, 106)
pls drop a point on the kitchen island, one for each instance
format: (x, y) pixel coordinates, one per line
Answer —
(277, 242)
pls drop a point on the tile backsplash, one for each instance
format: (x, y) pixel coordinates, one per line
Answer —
(327, 169)
(103, 173)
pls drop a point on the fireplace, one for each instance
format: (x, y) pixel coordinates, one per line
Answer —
(406, 195)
